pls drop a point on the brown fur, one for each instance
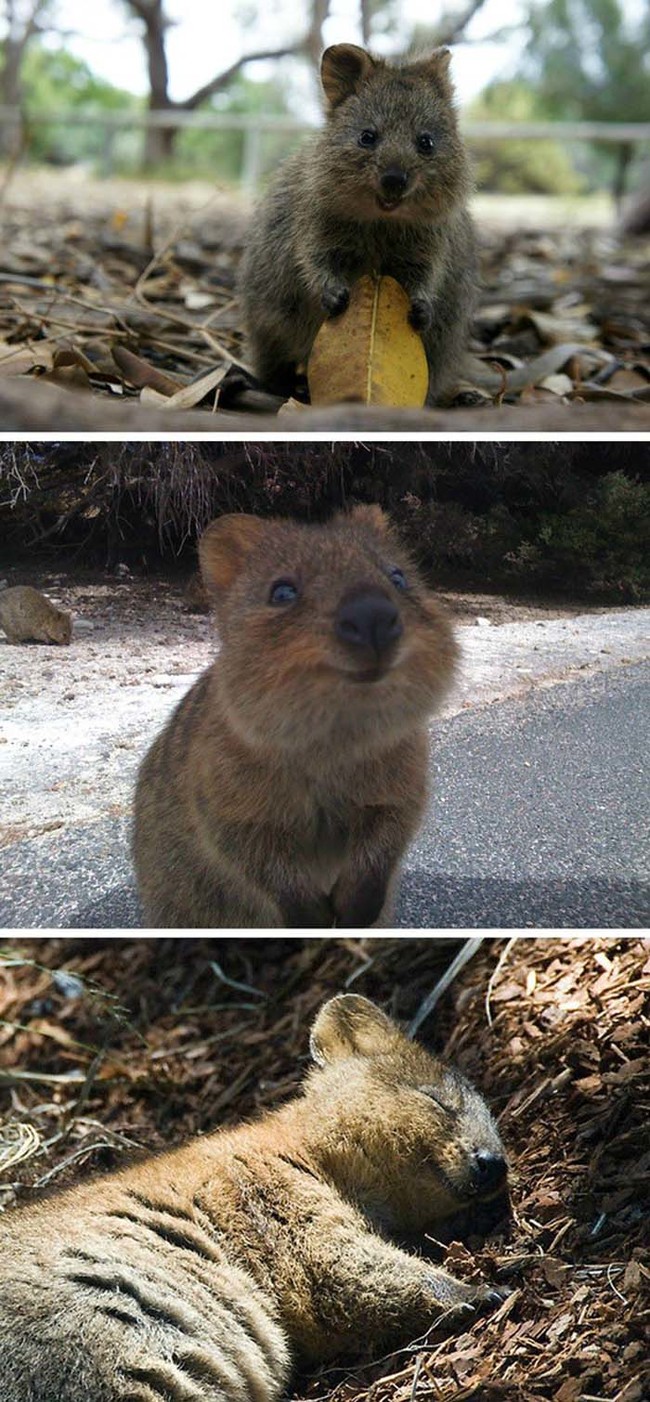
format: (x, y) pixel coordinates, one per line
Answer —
(288, 782)
(203, 1274)
(27, 616)
(325, 222)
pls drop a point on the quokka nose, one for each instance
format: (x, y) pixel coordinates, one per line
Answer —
(394, 180)
(369, 619)
(488, 1170)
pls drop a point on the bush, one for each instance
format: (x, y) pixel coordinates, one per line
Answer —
(603, 544)
(570, 517)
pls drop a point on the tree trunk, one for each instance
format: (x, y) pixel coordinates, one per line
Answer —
(160, 141)
(11, 94)
(624, 160)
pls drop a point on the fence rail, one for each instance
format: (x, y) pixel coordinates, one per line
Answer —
(255, 127)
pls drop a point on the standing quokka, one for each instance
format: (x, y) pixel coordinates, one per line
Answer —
(290, 779)
(381, 190)
(203, 1274)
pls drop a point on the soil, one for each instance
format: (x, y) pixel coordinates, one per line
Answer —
(110, 1045)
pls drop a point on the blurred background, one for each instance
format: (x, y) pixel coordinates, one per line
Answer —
(554, 94)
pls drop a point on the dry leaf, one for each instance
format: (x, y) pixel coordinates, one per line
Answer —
(370, 354)
(192, 394)
(558, 384)
(141, 374)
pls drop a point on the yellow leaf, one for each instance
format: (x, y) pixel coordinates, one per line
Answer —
(370, 353)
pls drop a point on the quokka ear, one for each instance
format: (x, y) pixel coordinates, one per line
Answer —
(350, 1026)
(372, 516)
(436, 68)
(225, 546)
(344, 67)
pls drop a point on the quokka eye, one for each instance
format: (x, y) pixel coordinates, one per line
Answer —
(425, 142)
(283, 591)
(397, 577)
(431, 1094)
(369, 137)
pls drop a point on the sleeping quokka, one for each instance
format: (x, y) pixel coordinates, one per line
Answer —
(203, 1274)
(290, 779)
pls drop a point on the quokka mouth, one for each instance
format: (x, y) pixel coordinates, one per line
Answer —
(388, 206)
(366, 676)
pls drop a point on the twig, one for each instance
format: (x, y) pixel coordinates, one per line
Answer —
(495, 974)
(465, 953)
(78, 1154)
(416, 1376)
(234, 983)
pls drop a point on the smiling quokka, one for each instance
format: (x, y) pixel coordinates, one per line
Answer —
(203, 1274)
(290, 779)
(381, 190)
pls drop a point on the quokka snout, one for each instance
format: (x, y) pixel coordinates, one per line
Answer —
(289, 781)
(201, 1275)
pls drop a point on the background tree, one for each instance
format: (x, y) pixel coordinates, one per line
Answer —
(540, 167)
(160, 141)
(590, 60)
(23, 20)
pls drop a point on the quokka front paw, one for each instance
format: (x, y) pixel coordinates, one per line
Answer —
(480, 1298)
(421, 314)
(465, 1299)
(335, 298)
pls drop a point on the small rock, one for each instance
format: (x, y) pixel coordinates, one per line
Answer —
(482, 622)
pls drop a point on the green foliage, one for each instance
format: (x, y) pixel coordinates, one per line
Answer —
(590, 60)
(568, 518)
(604, 542)
(54, 80)
(220, 154)
(541, 167)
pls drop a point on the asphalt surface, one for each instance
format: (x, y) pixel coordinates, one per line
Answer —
(539, 817)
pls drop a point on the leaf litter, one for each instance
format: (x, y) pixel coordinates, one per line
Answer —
(107, 1045)
(124, 303)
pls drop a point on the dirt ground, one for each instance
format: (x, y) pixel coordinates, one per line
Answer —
(109, 1045)
(123, 295)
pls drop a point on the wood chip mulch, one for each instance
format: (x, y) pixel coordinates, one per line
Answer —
(107, 1044)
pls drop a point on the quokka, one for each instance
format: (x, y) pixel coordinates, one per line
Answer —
(26, 615)
(203, 1274)
(381, 190)
(288, 782)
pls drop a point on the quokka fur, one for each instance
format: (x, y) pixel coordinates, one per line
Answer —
(203, 1274)
(26, 615)
(287, 784)
(381, 190)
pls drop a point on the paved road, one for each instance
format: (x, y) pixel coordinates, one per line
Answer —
(540, 817)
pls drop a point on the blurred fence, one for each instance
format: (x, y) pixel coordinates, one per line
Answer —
(254, 130)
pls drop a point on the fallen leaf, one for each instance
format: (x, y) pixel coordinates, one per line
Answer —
(558, 384)
(370, 354)
(140, 373)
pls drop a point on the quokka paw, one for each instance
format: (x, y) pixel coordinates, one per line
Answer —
(467, 1300)
(335, 298)
(421, 314)
(486, 1297)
